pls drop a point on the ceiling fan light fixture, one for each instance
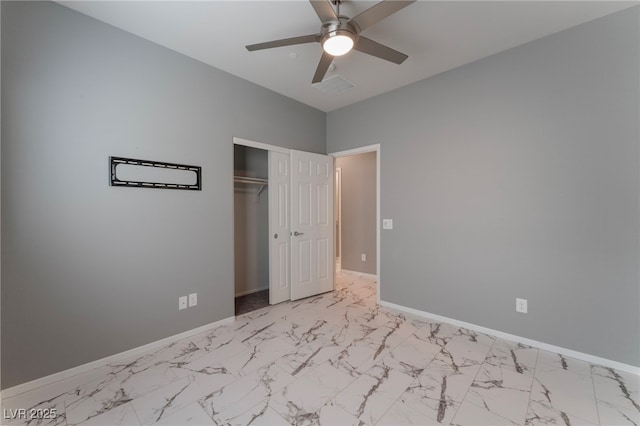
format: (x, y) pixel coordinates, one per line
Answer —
(337, 43)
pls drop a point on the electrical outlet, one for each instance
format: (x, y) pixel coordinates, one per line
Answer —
(193, 299)
(521, 305)
(182, 302)
(364, 257)
(387, 223)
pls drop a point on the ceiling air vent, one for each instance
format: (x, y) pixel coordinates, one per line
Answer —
(334, 85)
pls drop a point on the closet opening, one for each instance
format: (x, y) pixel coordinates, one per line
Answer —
(251, 228)
(283, 237)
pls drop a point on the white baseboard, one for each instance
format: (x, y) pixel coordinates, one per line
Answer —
(540, 345)
(359, 274)
(56, 377)
(244, 293)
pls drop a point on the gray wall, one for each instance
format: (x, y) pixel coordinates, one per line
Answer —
(358, 212)
(251, 222)
(89, 270)
(517, 176)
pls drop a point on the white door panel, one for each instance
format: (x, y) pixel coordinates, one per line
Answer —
(279, 239)
(311, 224)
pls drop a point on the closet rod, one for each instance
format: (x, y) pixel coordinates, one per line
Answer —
(257, 181)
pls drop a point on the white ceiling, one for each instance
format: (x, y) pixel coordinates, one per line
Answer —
(437, 36)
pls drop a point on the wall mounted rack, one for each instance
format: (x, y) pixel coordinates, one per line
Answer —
(154, 174)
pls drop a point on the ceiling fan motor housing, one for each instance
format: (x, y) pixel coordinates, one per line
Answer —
(340, 28)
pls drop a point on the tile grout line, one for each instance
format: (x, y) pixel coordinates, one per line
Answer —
(473, 381)
(64, 404)
(535, 369)
(410, 384)
(135, 412)
(333, 399)
(595, 394)
(203, 409)
(406, 320)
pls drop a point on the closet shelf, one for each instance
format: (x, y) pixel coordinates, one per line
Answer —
(252, 181)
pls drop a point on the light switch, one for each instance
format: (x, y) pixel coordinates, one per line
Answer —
(387, 223)
(182, 302)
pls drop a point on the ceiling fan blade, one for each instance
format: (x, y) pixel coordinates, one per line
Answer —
(323, 66)
(379, 12)
(284, 42)
(366, 45)
(324, 10)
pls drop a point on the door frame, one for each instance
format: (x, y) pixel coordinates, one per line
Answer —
(338, 208)
(260, 145)
(369, 148)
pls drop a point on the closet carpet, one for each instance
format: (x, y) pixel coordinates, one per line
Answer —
(252, 302)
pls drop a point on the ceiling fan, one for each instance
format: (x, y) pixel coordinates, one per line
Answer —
(340, 34)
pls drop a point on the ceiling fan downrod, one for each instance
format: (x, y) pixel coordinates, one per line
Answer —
(337, 5)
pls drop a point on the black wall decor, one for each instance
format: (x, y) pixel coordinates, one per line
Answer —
(114, 162)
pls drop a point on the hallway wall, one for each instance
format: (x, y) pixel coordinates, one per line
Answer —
(358, 212)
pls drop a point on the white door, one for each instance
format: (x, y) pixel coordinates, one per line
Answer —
(279, 178)
(312, 246)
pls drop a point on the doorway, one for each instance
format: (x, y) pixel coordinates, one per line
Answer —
(283, 216)
(251, 228)
(357, 222)
(338, 216)
(261, 225)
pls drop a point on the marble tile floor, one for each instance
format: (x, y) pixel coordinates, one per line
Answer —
(339, 359)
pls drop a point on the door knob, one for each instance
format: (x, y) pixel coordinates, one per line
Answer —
(275, 236)
(296, 233)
